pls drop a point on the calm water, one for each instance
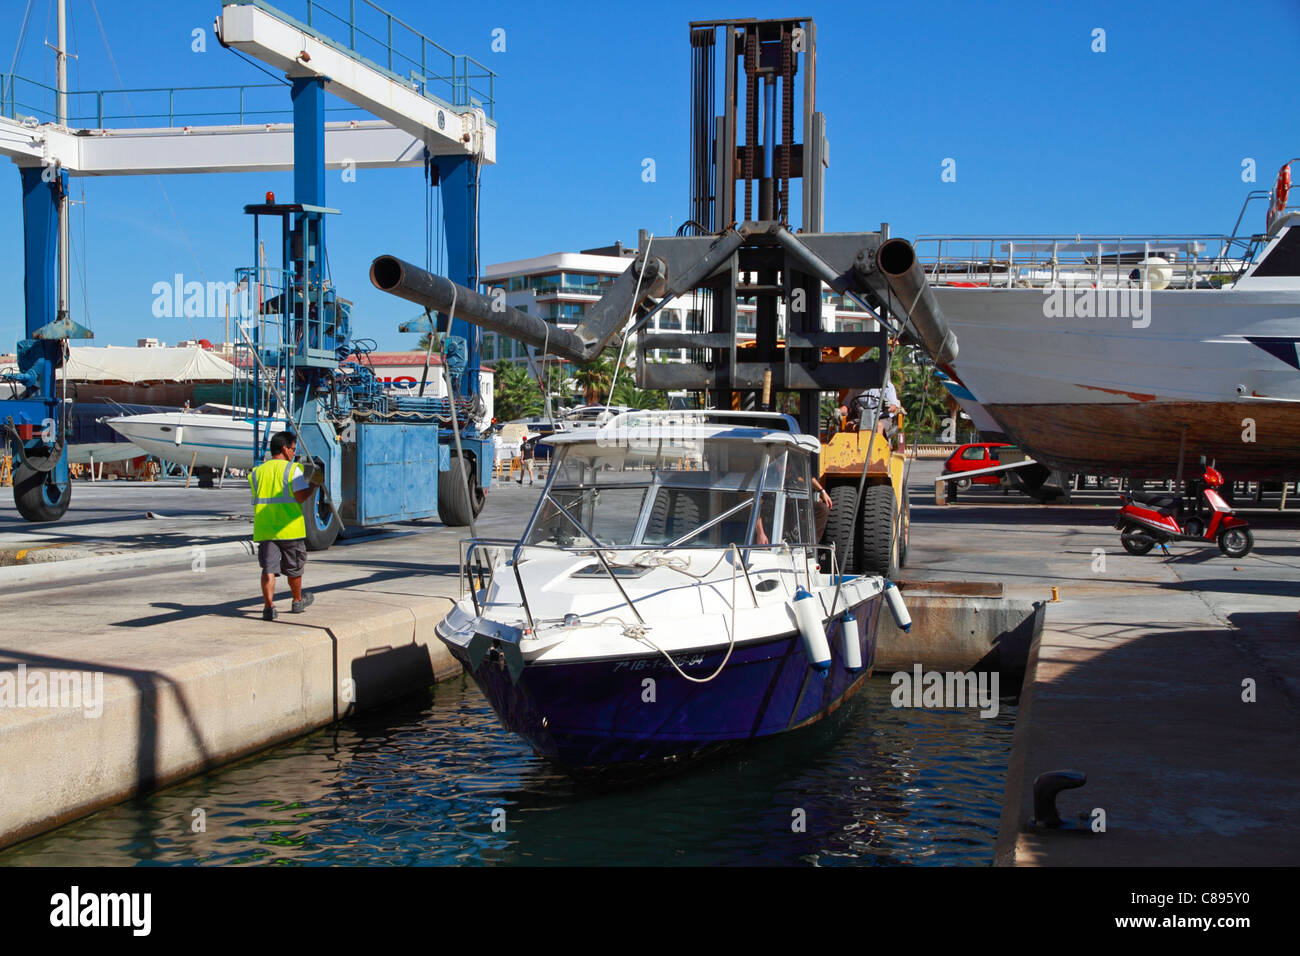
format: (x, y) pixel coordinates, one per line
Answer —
(420, 783)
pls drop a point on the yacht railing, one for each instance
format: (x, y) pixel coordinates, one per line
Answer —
(1032, 261)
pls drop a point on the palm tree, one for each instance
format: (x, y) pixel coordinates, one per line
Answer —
(594, 379)
(515, 392)
(922, 396)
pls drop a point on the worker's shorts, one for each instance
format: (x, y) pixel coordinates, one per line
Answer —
(283, 557)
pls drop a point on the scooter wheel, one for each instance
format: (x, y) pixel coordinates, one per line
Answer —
(1137, 543)
(1236, 542)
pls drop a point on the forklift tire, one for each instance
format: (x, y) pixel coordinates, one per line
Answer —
(36, 496)
(455, 496)
(877, 546)
(674, 513)
(839, 526)
(323, 524)
(904, 537)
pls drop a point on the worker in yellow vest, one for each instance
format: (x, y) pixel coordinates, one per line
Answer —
(279, 528)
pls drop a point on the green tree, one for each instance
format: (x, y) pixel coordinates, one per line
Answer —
(922, 395)
(594, 379)
(515, 393)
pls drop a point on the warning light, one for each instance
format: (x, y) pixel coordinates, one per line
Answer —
(270, 198)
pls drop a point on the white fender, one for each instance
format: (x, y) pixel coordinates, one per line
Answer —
(807, 611)
(850, 636)
(897, 607)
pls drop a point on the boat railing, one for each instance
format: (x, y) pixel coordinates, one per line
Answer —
(481, 558)
(1045, 261)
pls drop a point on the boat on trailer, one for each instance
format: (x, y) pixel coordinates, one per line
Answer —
(667, 598)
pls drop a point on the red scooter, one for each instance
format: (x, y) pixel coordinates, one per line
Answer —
(1146, 520)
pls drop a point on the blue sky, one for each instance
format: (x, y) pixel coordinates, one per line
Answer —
(1048, 136)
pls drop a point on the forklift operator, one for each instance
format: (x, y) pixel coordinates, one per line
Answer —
(861, 405)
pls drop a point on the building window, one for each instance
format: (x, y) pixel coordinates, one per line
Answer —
(489, 348)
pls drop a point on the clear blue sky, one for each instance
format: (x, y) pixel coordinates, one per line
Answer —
(1048, 136)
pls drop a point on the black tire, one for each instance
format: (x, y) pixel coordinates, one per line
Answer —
(477, 493)
(905, 538)
(36, 496)
(323, 524)
(840, 525)
(674, 513)
(455, 500)
(1135, 542)
(1236, 542)
(1194, 526)
(962, 484)
(876, 547)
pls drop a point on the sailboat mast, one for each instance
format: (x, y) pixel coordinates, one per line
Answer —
(61, 58)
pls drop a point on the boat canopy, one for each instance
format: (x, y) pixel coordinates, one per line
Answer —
(646, 430)
(698, 486)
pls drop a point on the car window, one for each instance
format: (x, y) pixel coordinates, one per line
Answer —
(974, 453)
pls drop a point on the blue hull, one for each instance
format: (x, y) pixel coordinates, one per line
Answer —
(595, 714)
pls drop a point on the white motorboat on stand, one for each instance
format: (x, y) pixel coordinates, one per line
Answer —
(1114, 355)
(199, 439)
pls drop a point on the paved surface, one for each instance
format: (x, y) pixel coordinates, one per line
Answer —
(1139, 680)
(109, 517)
(413, 559)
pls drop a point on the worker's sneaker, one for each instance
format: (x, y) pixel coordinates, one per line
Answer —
(269, 614)
(300, 606)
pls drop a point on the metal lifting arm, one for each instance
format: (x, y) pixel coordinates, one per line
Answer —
(582, 345)
(894, 267)
(897, 260)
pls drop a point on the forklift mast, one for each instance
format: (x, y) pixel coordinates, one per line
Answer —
(756, 327)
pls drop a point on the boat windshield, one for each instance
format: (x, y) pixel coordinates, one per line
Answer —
(659, 497)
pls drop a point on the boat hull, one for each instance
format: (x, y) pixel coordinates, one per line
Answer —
(1142, 441)
(1113, 395)
(602, 715)
(211, 441)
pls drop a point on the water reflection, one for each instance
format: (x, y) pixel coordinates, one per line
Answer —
(422, 782)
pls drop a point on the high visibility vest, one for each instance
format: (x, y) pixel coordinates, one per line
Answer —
(276, 515)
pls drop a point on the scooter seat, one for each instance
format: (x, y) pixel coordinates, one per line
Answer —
(1159, 501)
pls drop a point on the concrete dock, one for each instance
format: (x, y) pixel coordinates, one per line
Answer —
(192, 677)
(1137, 679)
(1134, 676)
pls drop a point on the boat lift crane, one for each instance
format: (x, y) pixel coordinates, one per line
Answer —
(436, 115)
(747, 251)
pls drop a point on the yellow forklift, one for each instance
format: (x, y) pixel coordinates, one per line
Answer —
(863, 469)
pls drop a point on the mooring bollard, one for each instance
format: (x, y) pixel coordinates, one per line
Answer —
(1046, 787)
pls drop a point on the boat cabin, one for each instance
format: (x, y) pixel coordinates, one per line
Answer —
(671, 480)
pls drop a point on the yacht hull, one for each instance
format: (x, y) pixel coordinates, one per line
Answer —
(594, 715)
(186, 438)
(1119, 394)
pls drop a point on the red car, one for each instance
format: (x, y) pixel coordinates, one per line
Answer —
(972, 458)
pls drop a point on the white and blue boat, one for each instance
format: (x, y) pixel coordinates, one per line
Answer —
(666, 599)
